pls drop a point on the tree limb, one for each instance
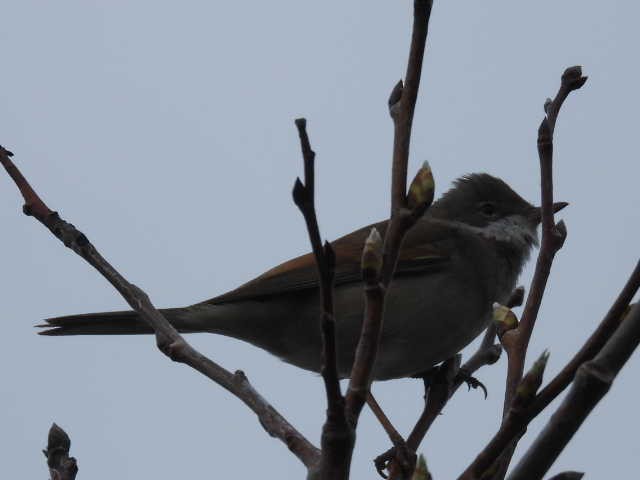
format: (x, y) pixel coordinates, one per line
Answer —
(592, 381)
(445, 386)
(401, 106)
(515, 342)
(337, 435)
(169, 341)
(516, 421)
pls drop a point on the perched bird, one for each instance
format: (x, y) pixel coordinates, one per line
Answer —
(463, 255)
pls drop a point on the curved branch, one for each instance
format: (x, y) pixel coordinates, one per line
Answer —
(169, 341)
(593, 380)
(516, 421)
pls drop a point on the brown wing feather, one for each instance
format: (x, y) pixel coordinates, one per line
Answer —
(423, 250)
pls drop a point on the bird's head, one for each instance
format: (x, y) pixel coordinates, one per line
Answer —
(491, 207)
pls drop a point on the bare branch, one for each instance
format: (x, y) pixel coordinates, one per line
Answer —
(592, 346)
(402, 102)
(169, 341)
(337, 435)
(402, 106)
(515, 423)
(303, 195)
(592, 381)
(553, 235)
(516, 341)
(61, 465)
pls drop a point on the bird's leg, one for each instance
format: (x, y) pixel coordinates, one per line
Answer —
(428, 377)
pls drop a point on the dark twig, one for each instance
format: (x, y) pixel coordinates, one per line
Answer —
(404, 213)
(61, 465)
(592, 346)
(553, 236)
(592, 381)
(337, 435)
(517, 420)
(401, 106)
(488, 353)
(515, 342)
(390, 430)
(304, 198)
(169, 341)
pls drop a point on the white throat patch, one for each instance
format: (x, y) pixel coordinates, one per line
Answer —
(514, 229)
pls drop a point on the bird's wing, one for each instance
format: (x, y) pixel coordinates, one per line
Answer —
(426, 248)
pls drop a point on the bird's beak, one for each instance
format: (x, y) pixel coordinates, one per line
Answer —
(536, 214)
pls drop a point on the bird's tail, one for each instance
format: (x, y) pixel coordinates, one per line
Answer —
(108, 323)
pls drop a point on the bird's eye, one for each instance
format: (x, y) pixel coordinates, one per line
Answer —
(488, 209)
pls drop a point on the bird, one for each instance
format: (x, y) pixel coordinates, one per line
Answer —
(459, 258)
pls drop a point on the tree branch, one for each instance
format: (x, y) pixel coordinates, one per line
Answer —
(515, 423)
(337, 435)
(553, 236)
(401, 107)
(61, 465)
(592, 381)
(445, 384)
(515, 342)
(169, 341)
(592, 346)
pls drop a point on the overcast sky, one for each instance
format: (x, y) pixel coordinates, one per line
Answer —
(164, 130)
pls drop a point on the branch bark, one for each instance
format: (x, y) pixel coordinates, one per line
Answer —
(516, 342)
(444, 386)
(553, 236)
(515, 423)
(338, 436)
(61, 465)
(169, 341)
(401, 106)
(592, 381)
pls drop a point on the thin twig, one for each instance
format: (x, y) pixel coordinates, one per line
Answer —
(553, 236)
(487, 353)
(404, 214)
(169, 341)
(592, 381)
(592, 346)
(337, 435)
(304, 197)
(515, 342)
(402, 106)
(517, 420)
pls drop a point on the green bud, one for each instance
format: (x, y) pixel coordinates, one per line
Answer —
(531, 382)
(422, 188)
(504, 319)
(421, 472)
(372, 256)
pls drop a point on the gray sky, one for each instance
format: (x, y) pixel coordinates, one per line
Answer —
(164, 130)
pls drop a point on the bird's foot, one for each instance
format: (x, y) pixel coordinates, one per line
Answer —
(471, 381)
(397, 457)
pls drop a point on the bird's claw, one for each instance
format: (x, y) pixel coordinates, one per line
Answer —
(404, 458)
(471, 381)
(382, 461)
